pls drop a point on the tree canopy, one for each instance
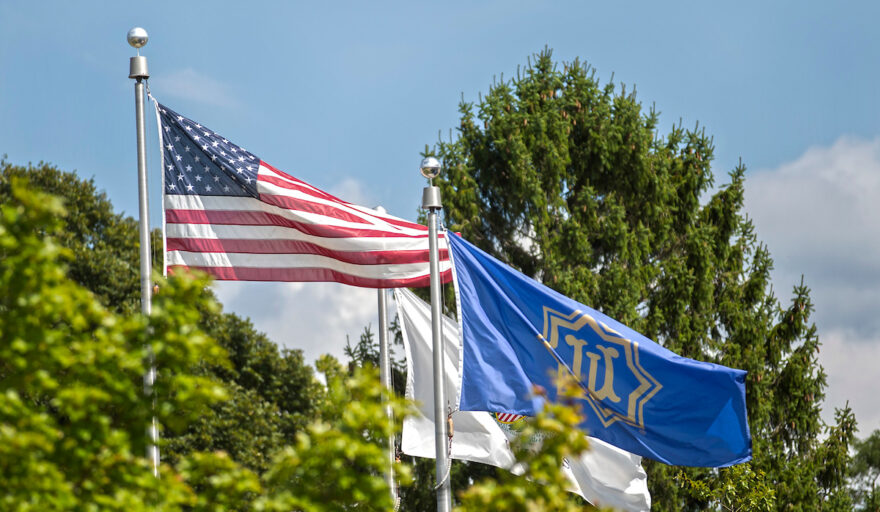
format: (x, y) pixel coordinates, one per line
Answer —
(73, 416)
(573, 183)
(865, 471)
(246, 427)
(72, 409)
(272, 392)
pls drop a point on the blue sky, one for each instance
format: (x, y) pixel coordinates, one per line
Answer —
(346, 95)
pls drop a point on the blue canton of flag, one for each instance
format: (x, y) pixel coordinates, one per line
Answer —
(637, 395)
(201, 162)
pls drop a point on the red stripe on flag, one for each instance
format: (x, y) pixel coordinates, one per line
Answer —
(294, 203)
(257, 218)
(311, 275)
(299, 184)
(259, 246)
(303, 205)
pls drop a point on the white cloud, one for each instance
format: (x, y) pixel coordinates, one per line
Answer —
(314, 317)
(820, 218)
(189, 84)
(851, 364)
(353, 191)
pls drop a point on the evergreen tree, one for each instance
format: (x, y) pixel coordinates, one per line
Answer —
(571, 182)
(865, 473)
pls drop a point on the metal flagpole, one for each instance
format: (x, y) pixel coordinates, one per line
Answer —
(137, 38)
(430, 168)
(385, 376)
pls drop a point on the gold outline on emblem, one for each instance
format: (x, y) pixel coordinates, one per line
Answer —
(648, 385)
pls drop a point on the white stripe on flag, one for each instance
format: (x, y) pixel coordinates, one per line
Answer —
(223, 259)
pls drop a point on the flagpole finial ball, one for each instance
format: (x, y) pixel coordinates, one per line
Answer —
(430, 167)
(137, 37)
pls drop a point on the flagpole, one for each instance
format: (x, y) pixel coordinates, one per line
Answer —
(385, 376)
(430, 168)
(137, 38)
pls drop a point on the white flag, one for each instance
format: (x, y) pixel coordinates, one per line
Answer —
(604, 475)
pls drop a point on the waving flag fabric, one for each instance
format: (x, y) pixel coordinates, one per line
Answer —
(232, 215)
(604, 475)
(638, 396)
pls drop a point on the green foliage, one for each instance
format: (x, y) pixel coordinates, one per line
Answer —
(72, 411)
(220, 484)
(865, 472)
(541, 446)
(561, 438)
(736, 489)
(272, 393)
(73, 414)
(103, 245)
(833, 460)
(420, 495)
(571, 182)
(338, 461)
(366, 351)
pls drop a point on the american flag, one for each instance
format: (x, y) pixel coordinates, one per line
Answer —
(232, 215)
(507, 418)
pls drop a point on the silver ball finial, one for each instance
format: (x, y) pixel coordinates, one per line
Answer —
(137, 37)
(430, 167)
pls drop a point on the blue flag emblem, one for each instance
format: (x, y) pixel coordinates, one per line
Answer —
(601, 360)
(638, 396)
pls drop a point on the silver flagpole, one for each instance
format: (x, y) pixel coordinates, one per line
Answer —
(137, 38)
(430, 168)
(385, 376)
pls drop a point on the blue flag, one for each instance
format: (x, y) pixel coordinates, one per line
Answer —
(637, 395)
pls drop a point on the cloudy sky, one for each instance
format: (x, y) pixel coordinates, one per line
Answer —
(345, 96)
